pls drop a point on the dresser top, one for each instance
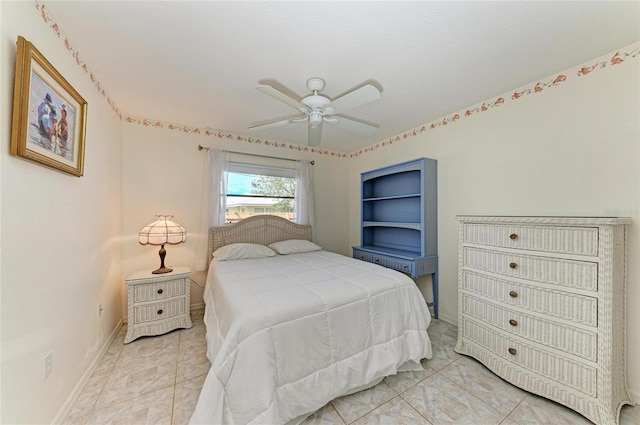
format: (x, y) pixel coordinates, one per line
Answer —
(558, 220)
(146, 274)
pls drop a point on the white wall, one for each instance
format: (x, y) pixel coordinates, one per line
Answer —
(573, 149)
(61, 242)
(162, 172)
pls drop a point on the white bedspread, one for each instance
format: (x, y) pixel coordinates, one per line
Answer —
(287, 334)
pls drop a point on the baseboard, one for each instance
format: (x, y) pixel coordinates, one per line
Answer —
(196, 307)
(66, 407)
(446, 318)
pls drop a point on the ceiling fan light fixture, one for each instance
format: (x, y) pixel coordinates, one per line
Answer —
(315, 118)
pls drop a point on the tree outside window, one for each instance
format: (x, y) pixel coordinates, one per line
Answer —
(282, 188)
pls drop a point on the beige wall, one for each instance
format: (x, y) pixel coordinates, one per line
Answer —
(162, 174)
(573, 149)
(61, 242)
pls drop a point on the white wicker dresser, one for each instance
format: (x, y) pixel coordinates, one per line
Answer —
(541, 302)
(158, 303)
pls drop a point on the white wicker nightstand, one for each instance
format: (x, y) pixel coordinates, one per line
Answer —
(158, 303)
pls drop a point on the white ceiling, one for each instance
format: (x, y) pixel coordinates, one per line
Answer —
(197, 63)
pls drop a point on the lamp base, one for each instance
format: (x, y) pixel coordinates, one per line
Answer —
(162, 270)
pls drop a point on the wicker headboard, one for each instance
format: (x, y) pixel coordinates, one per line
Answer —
(262, 229)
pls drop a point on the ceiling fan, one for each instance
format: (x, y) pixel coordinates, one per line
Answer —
(317, 108)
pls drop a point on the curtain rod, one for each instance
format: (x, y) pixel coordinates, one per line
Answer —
(200, 147)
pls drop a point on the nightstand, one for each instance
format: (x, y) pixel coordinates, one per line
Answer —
(158, 303)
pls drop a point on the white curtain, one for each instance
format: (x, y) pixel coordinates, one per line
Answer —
(214, 201)
(304, 196)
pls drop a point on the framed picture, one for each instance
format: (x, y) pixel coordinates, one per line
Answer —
(49, 116)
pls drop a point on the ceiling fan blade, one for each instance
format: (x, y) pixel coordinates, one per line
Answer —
(353, 125)
(278, 122)
(277, 94)
(315, 134)
(356, 98)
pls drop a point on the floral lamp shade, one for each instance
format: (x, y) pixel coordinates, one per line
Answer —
(162, 232)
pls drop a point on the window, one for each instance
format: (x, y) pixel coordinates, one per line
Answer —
(254, 189)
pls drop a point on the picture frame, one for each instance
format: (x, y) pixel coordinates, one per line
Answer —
(49, 115)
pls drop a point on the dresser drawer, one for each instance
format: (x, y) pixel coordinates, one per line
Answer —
(158, 291)
(554, 303)
(568, 339)
(578, 376)
(159, 311)
(568, 273)
(406, 266)
(564, 240)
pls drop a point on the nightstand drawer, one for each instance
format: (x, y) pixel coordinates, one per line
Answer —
(158, 291)
(158, 311)
(406, 266)
(554, 271)
(564, 240)
(556, 367)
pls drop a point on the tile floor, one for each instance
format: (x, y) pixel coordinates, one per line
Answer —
(157, 380)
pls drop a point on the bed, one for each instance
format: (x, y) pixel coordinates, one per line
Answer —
(286, 334)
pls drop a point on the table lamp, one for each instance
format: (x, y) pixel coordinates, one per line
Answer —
(161, 232)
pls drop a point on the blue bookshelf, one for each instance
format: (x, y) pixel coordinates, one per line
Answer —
(399, 220)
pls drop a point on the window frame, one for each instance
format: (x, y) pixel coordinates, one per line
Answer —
(259, 170)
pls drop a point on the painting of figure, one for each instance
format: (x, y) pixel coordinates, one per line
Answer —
(51, 119)
(49, 115)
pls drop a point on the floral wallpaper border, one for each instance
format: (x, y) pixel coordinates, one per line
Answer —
(232, 137)
(48, 19)
(222, 135)
(618, 58)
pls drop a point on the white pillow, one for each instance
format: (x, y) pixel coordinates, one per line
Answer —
(294, 246)
(239, 251)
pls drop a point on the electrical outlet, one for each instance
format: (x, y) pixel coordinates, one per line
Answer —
(48, 364)
(100, 310)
